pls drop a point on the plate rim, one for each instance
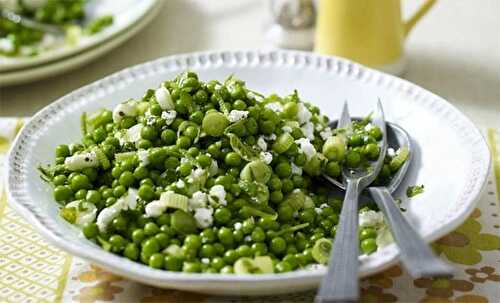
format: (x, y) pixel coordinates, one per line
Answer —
(480, 163)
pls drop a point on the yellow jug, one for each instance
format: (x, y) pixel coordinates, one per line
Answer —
(370, 32)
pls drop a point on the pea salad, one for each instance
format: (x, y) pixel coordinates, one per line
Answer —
(214, 177)
(17, 40)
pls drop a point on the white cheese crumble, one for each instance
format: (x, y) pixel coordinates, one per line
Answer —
(143, 157)
(109, 213)
(6, 45)
(164, 98)
(198, 200)
(180, 184)
(267, 157)
(303, 114)
(237, 115)
(369, 126)
(391, 152)
(238, 225)
(133, 134)
(326, 133)
(261, 143)
(169, 116)
(308, 130)
(318, 210)
(122, 110)
(287, 129)
(218, 192)
(319, 127)
(203, 217)
(205, 260)
(370, 218)
(275, 106)
(296, 170)
(80, 161)
(306, 147)
(270, 137)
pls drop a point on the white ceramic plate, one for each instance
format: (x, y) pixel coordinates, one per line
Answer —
(125, 12)
(451, 159)
(57, 67)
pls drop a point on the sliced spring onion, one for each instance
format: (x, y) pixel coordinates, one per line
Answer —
(258, 192)
(125, 156)
(241, 148)
(283, 143)
(321, 250)
(251, 211)
(257, 171)
(173, 250)
(292, 229)
(83, 123)
(400, 158)
(186, 124)
(101, 157)
(335, 148)
(81, 161)
(173, 200)
(244, 266)
(258, 265)
(296, 199)
(183, 222)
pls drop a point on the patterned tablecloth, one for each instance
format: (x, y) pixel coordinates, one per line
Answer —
(33, 271)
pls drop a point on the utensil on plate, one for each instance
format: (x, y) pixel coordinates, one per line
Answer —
(341, 283)
(416, 255)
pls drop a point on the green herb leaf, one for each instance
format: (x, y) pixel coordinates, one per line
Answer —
(412, 191)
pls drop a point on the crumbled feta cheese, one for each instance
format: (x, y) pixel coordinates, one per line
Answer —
(370, 218)
(218, 192)
(287, 129)
(247, 238)
(270, 137)
(369, 126)
(319, 127)
(155, 208)
(6, 45)
(169, 116)
(150, 119)
(198, 200)
(303, 114)
(109, 213)
(203, 217)
(143, 157)
(318, 210)
(326, 133)
(238, 225)
(308, 130)
(267, 157)
(237, 115)
(80, 161)
(164, 98)
(296, 170)
(306, 147)
(275, 106)
(391, 152)
(261, 143)
(324, 205)
(133, 134)
(180, 184)
(205, 260)
(122, 110)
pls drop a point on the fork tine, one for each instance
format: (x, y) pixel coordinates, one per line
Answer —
(345, 118)
(379, 120)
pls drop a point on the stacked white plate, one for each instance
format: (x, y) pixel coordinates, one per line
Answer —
(130, 16)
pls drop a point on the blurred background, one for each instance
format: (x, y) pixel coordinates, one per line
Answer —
(454, 50)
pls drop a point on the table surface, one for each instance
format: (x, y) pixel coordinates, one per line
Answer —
(454, 51)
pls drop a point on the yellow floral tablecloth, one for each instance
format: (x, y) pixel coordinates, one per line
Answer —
(33, 271)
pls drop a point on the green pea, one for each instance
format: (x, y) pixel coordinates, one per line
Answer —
(185, 169)
(278, 245)
(116, 171)
(204, 161)
(307, 216)
(371, 151)
(222, 216)
(168, 136)
(110, 201)
(232, 159)
(208, 236)
(151, 229)
(191, 132)
(230, 256)
(62, 193)
(138, 236)
(59, 180)
(193, 151)
(172, 163)
(150, 246)
(117, 242)
(290, 110)
(81, 194)
(80, 182)
(163, 220)
(353, 159)
(266, 127)
(156, 260)
(191, 267)
(247, 226)
(258, 235)
(172, 263)
(131, 251)
(62, 150)
(93, 196)
(367, 233)
(276, 196)
(356, 140)
(193, 242)
(368, 246)
(283, 170)
(225, 236)
(333, 169)
(119, 191)
(119, 224)
(141, 172)
(376, 133)
(208, 251)
(146, 192)
(90, 230)
(183, 222)
(285, 212)
(228, 269)
(127, 179)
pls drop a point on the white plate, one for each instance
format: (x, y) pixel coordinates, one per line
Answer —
(451, 159)
(125, 13)
(58, 67)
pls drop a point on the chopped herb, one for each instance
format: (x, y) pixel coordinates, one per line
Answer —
(412, 191)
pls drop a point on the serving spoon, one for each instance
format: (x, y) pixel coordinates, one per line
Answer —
(416, 255)
(341, 284)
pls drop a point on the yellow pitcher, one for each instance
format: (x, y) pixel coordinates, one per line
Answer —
(370, 32)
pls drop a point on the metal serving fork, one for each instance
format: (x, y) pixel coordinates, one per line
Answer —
(340, 284)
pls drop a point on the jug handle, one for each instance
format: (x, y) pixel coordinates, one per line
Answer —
(410, 23)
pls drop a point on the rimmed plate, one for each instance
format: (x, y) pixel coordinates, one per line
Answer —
(125, 13)
(55, 68)
(451, 159)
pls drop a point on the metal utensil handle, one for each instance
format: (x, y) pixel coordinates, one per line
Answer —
(341, 281)
(416, 255)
